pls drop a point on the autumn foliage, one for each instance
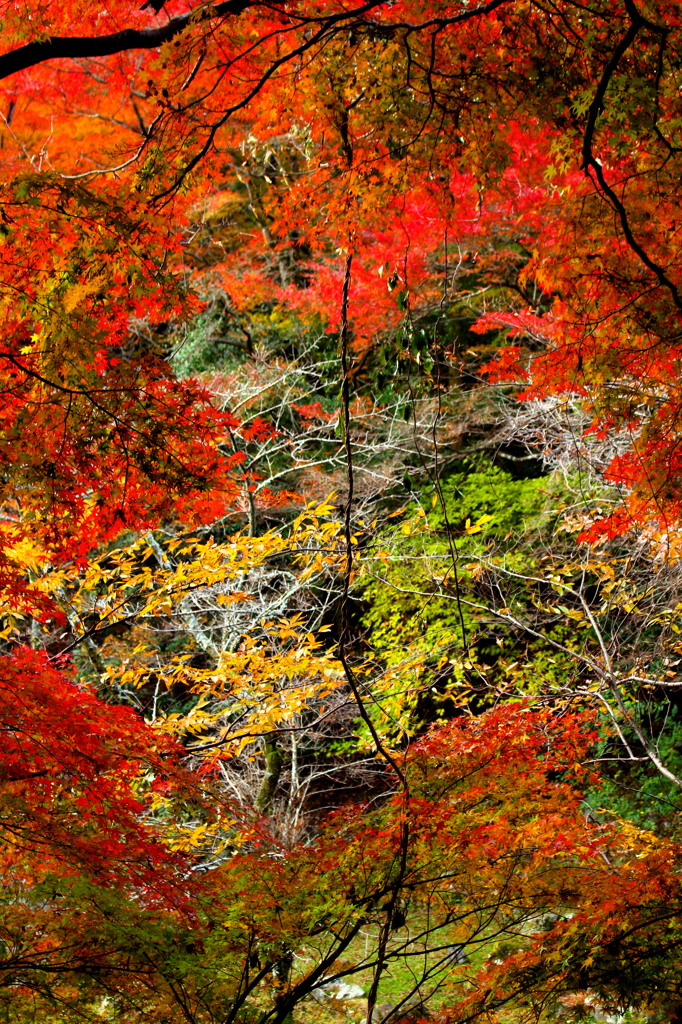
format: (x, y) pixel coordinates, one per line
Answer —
(486, 194)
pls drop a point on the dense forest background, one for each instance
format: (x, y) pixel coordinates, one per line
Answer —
(340, 512)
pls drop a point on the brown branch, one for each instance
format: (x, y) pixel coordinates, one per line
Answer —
(83, 47)
(591, 164)
(347, 531)
(80, 47)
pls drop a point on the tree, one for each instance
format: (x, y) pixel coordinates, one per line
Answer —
(473, 856)
(375, 177)
(94, 898)
(589, 167)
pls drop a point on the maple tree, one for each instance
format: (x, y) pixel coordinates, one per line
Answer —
(84, 870)
(474, 856)
(577, 172)
(387, 190)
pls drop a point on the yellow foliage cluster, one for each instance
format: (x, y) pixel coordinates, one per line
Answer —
(249, 689)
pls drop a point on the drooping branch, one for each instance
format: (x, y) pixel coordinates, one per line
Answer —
(592, 165)
(81, 47)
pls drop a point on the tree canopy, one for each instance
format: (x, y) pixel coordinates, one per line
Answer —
(341, 510)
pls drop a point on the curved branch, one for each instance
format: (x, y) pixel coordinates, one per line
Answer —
(75, 47)
(591, 164)
(82, 47)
